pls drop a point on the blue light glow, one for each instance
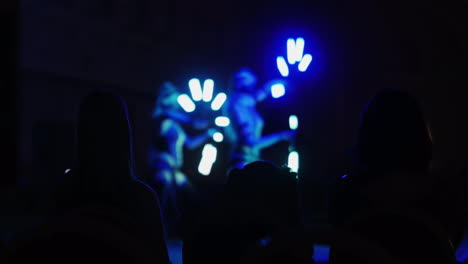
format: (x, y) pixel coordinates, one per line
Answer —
(282, 66)
(218, 101)
(218, 137)
(208, 87)
(186, 103)
(222, 121)
(305, 62)
(293, 161)
(293, 122)
(195, 89)
(300, 43)
(292, 52)
(277, 90)
(209, 154)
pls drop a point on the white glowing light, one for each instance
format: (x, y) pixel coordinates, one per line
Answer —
(293, 122)
(186, 103)
(305, 62)
(195, 89)
(291, 50)
(67, 171)
(282, 66)
(222, 121)
(293, 161)
(277, 90)
(300, 43)
(208, 87)
(218, 101)
(218, 137)
(209, 154)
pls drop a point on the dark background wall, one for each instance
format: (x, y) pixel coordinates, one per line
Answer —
(359, 47)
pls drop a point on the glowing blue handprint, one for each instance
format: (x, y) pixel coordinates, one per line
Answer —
(205, 94)
(295, 53)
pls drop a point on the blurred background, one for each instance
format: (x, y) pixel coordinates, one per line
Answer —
(68, 48)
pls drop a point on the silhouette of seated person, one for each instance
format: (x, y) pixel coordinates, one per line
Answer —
(103, 185)
(246, 128)
(392, 180)
(258, 201)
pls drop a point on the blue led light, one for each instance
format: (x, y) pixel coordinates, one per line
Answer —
(186, 103)
(222, 121)
(277, 90)
(209, 154)
(300, 43)
(218, 137)
(291, 51)
(218, 101)
(208, 87)
(293, 161)
(293, 122)
(282, 66)
(305, 62)
(195, 89)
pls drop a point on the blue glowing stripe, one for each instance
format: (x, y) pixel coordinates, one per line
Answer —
(305, 62)
(209, 154)
(282, 66)
(293, 161)
(300, 43)
(291, 51)
(218, 101)
(277, 90)
(218, 137)
(186, 103)
(222, 121)
(293, 122)
(195, 89)
(208, 87)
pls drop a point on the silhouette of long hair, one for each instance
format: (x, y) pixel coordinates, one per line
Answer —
(105, 147)
(393, 134)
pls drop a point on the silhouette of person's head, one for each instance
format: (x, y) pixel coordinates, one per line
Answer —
(393, 134)
(104, 137)
(263, 184)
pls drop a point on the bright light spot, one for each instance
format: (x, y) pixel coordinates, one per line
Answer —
(282, 66)
(293, 122)
(306, 60)
(222, 121)
(67, 171)
(186, 103)
(218, 137)
(293, 161)
(209, 154)
(195, 89)
(208, 86)
(277, 90)
(180, 178)
(218, 101)
(292, 52)
(344, 176)
(300, 43)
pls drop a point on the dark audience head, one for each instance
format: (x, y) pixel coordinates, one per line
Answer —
(104, 137)
(264, 184)
(393, 135)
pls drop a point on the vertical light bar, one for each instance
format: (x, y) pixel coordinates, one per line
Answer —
(293, 161)
(291, 49)
(305, 62)
(218, 101)
(293, 122)
(222, 121)
(186, 103)
(282, 66)
(195, 89)
(277, 90)
(209, 154)
(208, 87)
(300, 43)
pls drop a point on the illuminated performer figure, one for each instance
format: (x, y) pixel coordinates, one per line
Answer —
(166, 155)
(245, 131)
